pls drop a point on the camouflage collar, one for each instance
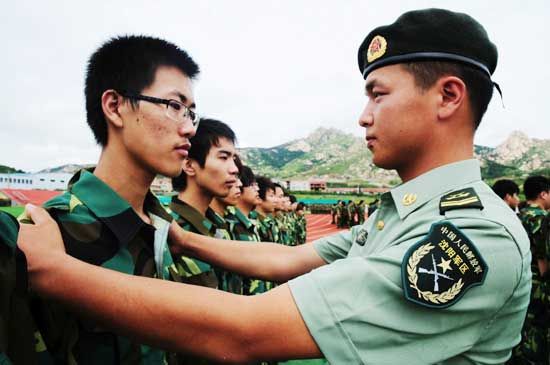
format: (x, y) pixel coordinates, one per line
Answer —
(215, 218)
(242, 218)
(200, 223)
(109, 207)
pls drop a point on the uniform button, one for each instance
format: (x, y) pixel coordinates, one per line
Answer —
(380, 225)
(409, 199)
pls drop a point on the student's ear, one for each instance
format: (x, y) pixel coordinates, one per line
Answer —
(452, 91)
(189, 167)
(111, 101)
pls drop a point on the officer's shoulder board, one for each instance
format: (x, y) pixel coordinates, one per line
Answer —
(460, 199)
(438, 270)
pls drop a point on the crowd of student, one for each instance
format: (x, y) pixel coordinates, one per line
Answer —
(218, 196)
(534, 215)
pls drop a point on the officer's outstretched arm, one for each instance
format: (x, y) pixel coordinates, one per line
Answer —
(268, 261)
(184, 318)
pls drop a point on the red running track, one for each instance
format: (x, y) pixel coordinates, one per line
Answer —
(318, 225)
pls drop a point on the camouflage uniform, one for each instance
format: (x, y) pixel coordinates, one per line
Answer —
(301, 229)
(245, 229)
(341, 216)
(351, 213)
(101, 228)
(360, 210)
(228, 281)
(534, 347)
(191, 270)
(281, 222)
(266, 232)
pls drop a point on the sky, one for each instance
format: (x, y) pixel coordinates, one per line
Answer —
(273, 70)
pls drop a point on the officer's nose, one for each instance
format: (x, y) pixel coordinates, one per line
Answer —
(366, 119)
(187, 129)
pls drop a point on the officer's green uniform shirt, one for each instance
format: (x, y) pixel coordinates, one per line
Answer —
(101, 228)
(357, 310)
(192, 270)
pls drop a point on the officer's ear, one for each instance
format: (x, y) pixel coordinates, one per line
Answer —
(189, 167)
(452, 96)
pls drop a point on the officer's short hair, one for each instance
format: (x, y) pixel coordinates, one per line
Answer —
(534, 185)
(128, 64)
(292, 198)
(505, 187)
(208, 134)
(478, 83)
(264, 184)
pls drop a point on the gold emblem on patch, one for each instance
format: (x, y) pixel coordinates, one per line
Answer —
(380, 225)
(377, 48)
(409, 199)
(412, 272)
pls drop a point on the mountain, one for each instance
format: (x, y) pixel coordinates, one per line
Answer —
(9, 170)
(326, 153)
(337, 156)
(65, 169)
(344, 158)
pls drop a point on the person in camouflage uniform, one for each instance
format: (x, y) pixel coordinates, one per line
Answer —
(209, 171)
(102, 220)
(263, 212)
(301, 230)
(243, 228)
(534, 347)
(341, 214)
(360, 211)
(351, 208)
(222, 214)
(279, 216)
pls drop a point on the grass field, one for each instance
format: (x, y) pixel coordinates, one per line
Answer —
(15, 211)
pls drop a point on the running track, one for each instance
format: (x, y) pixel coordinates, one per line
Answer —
(318, 225)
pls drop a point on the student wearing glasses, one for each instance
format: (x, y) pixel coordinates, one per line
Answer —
(140, 108)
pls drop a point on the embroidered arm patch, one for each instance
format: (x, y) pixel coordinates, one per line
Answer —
(440, 268)
(460, 199)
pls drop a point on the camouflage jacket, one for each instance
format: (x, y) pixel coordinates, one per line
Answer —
(536, 223)
(101, 228)
(192, 270)
(301, 232)
(228, 281)
(244, 229)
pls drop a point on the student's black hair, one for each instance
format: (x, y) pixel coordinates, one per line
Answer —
(209, 133)
(128, 64)
(247, 176)
(534, 185)
(505, 187)
(264, 184)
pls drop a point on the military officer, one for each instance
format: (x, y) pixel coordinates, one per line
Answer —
(439, 274)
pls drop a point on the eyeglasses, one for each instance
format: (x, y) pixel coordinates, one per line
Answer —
(175, 110)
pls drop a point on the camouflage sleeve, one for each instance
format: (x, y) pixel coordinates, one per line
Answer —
(539, 237)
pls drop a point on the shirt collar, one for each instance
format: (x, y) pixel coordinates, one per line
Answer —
(193, 216)
(412, 195)
(215, 218)
(242, 218)
(110, 208)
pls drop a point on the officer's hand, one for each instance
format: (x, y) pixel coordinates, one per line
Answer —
(176, 238)
(41, 242)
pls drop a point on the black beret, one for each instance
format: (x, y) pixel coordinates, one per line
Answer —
(429, 34)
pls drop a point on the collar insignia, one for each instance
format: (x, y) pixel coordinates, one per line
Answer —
(440, 268)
